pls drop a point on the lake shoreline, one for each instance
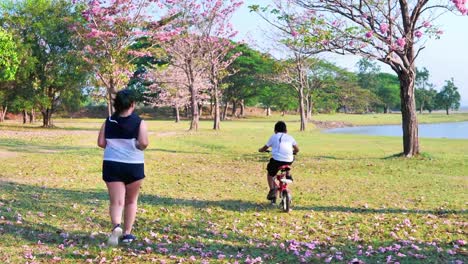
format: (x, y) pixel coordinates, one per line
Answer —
(450, 130)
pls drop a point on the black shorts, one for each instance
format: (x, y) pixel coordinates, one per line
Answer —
(273, 166)
(113, 171)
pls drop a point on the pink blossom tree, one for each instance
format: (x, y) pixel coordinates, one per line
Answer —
(168, 89)
(216, 32)
(392, 31)
(110, 30)
(201, 51)
(186, 55)
(289, 23)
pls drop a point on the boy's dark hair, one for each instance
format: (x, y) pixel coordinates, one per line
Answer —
(123, 100)
(280, 127)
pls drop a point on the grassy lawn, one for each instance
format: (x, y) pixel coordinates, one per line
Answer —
(203, 199)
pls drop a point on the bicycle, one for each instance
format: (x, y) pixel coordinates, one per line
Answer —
(282, 180)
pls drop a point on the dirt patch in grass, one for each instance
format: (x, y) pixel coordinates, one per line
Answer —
(7, 154)
(331, 124)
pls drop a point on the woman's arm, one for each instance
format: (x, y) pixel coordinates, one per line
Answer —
(101, 141)
(142, 142)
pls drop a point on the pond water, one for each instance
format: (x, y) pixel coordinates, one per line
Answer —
(439, 130)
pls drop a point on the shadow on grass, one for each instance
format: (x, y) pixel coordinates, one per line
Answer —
(179, 236)
(90, 196)
(16, 145)
(38, 127)
(175, 151)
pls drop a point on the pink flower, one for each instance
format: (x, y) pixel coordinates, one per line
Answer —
(369, 34)
(294, 33)
(384, 28)
(401, 42)
(426, 24)
(418, 34)
(460, 5)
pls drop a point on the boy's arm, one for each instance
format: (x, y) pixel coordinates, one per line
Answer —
(263, 149)
(268, 144)
(295, 149)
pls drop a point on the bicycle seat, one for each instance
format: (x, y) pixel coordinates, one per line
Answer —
(285, 168)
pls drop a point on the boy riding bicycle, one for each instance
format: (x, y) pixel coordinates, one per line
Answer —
(283, 147)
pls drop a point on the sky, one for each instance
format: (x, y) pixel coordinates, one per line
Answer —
(445, 58)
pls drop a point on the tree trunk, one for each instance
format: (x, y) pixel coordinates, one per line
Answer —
(177, 114)
(111, 94)
(200, 109)
(408, 112)
(47, 118)
(385, 109)
(187, 110)
(226, 105)
(421, 108)
(242, 108)
(302, 110)
(25, 116)
(194, 104)
(234, 108)
(302, 84)
(217, 114)
(3, 111)
(268, 111)
(283, 112)
(309, 108)
(447, 110)
(32, 116)
(212, 107)
(217, 118)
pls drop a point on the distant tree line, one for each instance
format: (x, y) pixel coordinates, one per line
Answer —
(55, 60)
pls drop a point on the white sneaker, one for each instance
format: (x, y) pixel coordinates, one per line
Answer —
(115, 235)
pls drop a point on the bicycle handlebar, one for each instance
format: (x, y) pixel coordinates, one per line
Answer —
(268, 151)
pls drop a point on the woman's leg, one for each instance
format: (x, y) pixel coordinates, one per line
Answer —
(117, 200)
(131, 199)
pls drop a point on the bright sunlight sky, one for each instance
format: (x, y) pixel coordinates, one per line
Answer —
(444, 58)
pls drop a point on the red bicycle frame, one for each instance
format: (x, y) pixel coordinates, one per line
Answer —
(280, 179)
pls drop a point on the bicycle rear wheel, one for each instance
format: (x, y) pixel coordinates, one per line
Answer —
(286, 201)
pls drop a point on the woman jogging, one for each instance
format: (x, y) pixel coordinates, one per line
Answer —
(123, 136)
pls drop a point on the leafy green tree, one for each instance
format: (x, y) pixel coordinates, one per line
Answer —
(279, 97)
(48, 38)
(449, 97)
(351, 97)
(430, 103)
(385, 86)
(368, 74)
(388, 91)
(8, 57)
(321, 74)
(341, 91)
(249, 77)
(424, 92)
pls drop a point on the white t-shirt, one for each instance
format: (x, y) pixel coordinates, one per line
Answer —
(282, 147)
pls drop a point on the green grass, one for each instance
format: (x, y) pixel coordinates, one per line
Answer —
(204, 196)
